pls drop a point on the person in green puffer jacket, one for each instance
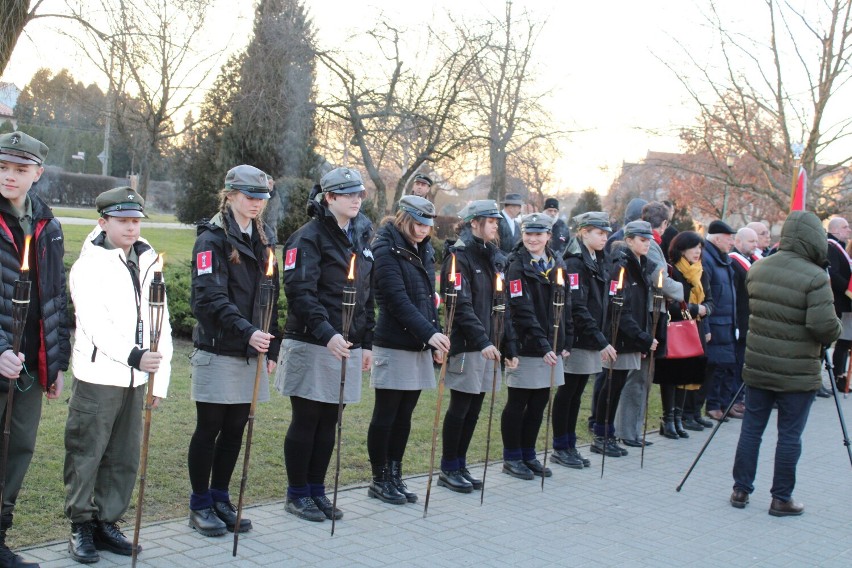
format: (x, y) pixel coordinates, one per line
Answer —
(792, 321)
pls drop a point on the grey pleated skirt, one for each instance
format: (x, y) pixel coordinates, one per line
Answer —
(846, 326)
(534, 373)
(224, 379)
(583, 362)
(471, 373)
(311, 371)
(625, 362)
(402, 370)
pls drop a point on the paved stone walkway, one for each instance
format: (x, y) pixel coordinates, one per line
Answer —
(632, 517)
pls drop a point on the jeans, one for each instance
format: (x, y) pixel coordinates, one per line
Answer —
(793, 410)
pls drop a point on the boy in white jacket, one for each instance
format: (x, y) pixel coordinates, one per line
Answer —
(111, 362)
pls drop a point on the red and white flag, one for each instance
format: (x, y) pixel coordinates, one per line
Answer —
(799, 198)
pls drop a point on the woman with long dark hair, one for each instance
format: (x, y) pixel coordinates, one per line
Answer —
(407, 334)
(680, 379)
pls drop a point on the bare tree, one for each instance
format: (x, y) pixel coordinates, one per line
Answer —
(150, 49)
(509, 115)
(403, 117)
(774, 91)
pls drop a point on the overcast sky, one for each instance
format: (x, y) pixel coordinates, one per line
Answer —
(600, 59)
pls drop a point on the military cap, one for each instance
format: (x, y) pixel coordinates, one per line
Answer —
(424, 178)
(513, 199)
(597, 219)
(21, 148)
(551, 203)
(120, 202)
(342, 180)
(420, 208)
(718, 227)
(248, 180)
(480, 208)
(638, 229)
(536, 223)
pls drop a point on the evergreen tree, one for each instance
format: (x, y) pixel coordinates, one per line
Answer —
(589, 201)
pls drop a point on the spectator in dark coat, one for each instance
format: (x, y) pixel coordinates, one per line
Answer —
(840, 271)
(509, 230)
(631, 213)
(792, 320)
(721, 343)
(742, 256)
(559, 233)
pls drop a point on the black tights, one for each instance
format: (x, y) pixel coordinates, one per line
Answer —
(309, 442)
(566, 404)
(390, 426)
(673, 397)
(459, 423)
(215, 444)
(522, 416)
(840, 357)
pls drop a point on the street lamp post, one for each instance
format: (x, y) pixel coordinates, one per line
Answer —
(730, 162)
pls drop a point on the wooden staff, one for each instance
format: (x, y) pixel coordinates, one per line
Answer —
(267, 299)
(656, 309)
(449, 314)
(20, 307)
(348, 313)
(156, 309)
(498, 312)
(617, 305)
(558, 306)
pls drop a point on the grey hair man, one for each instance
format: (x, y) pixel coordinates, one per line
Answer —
(764, 238)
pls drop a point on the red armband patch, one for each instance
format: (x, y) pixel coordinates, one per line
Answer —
(204, 262)
(290, 259)
(574, 281)
(613, 287)
(515, 288)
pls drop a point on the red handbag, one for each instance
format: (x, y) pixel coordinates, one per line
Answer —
(683, 340)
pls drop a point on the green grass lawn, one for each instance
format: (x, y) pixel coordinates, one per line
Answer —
(39, 516)
(87, 213)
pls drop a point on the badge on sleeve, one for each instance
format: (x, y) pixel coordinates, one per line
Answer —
(515, 288)
(457, 283)
(613, 287)
(574, 281)
(204, 262)
(290, 259)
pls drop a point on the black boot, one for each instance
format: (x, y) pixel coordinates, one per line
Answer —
(383, 489)
(108, 536)
(455, 481)
(81, 545)
(207, 522)
(9, 558)
(678, 423)
(477, 483)
(667, 427)
(226, 511)
(396, 479)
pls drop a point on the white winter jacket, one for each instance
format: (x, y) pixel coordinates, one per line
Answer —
(105, 304)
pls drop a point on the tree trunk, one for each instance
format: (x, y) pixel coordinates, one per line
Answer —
(497, 158)
(15, 16)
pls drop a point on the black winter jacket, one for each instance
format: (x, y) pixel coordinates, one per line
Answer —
(589, 295)
(224, 297)
(840, 272)
(721, 349)
(313, 282)
(634, 326)
(404, 284)
(477, 264)
(531, 307)
(46, 336)
(559, 237)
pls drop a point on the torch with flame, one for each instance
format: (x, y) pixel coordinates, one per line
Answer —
(617, 307)
(20, 307)
(449, 314)
(498, 313)
(349, 293)
(266, 302)
(558, 307)
(656, 310)
(156, 310)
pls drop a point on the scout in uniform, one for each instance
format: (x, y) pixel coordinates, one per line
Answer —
(587, 278)
(45, 348)
(316, 265)
(111, 362)
(229, 260)
(472, 353)
(531, 275)
(407, 335)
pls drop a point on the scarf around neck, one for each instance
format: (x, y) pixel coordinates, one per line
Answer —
(692, 273)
